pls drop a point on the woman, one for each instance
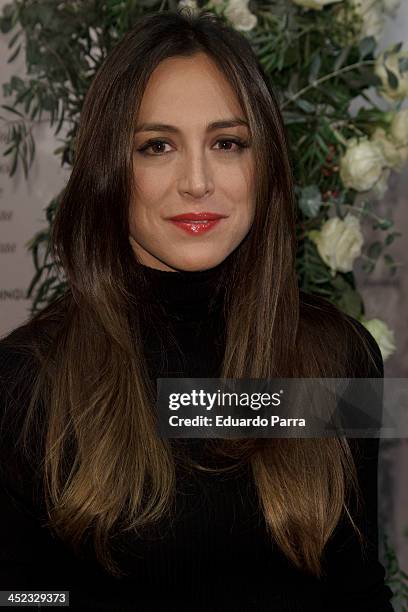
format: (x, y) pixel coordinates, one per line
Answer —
(180, 120)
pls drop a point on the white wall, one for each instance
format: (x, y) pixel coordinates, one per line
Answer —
(22, 202)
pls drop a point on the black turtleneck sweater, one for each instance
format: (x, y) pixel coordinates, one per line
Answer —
(216, 555)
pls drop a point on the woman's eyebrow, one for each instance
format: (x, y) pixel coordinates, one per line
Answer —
(215, 125)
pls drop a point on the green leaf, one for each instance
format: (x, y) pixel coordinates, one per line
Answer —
(305, 105)
(383, 224)
(367, 46)
(368, 77)
(17, 83)
(321, 142)
(34, 111)
(391, 237)
(341, 58)
(292, 117)
(14, 55)
(28, 99)
(293, 85)
(8, 10)
(389, 261)
(312, 235)
(21, 96)
(48, 103)
(396, 48)
(8, 151)
(350, 302)
(391, 78)
(14, 38)
(403, 64)
(14, 163)
(375, 249)
(6, 25)
(310, 200)
(339, 282)
(368, 266)
(291, 56)
(12, 110)
(315, 67)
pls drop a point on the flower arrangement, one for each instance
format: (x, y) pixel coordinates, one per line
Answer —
(360, 151)
(319, 55)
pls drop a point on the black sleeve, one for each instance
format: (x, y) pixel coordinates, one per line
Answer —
(32, 557)
(356, 579)
(25, 547)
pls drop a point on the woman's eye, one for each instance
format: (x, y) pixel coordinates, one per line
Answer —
(154, 144)
(151, 144)
(240, 144)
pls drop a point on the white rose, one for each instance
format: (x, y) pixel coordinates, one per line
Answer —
(240, 16)
(392, 63)
(380, 188)
(362, 164)
(372, 17)
(399, 133)
(382, 334)
(339, 242)
(191, 4)
(366, 18)
(399, 127)
(315, 4)
(389, 148)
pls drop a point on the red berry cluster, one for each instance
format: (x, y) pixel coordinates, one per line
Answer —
(329, 168)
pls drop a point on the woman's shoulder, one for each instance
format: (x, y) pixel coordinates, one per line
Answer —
(323, 317)
(22, 351)
(28, 341)
(375, 367)
(19, 355)
(19, 458)
(22, 354)
(17, 363)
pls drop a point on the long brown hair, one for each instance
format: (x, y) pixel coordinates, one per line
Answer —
(93, 381)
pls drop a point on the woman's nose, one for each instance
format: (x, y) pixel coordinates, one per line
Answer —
(195, 175)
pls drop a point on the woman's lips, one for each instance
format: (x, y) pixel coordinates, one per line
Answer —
(196, 228)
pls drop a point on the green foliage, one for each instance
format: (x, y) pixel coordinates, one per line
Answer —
(395, 577)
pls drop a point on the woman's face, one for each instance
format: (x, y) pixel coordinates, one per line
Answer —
(190, 168)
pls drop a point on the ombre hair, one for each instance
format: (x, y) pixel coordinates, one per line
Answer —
(105, 468)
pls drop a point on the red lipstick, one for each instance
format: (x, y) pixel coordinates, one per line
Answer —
(197, 223)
